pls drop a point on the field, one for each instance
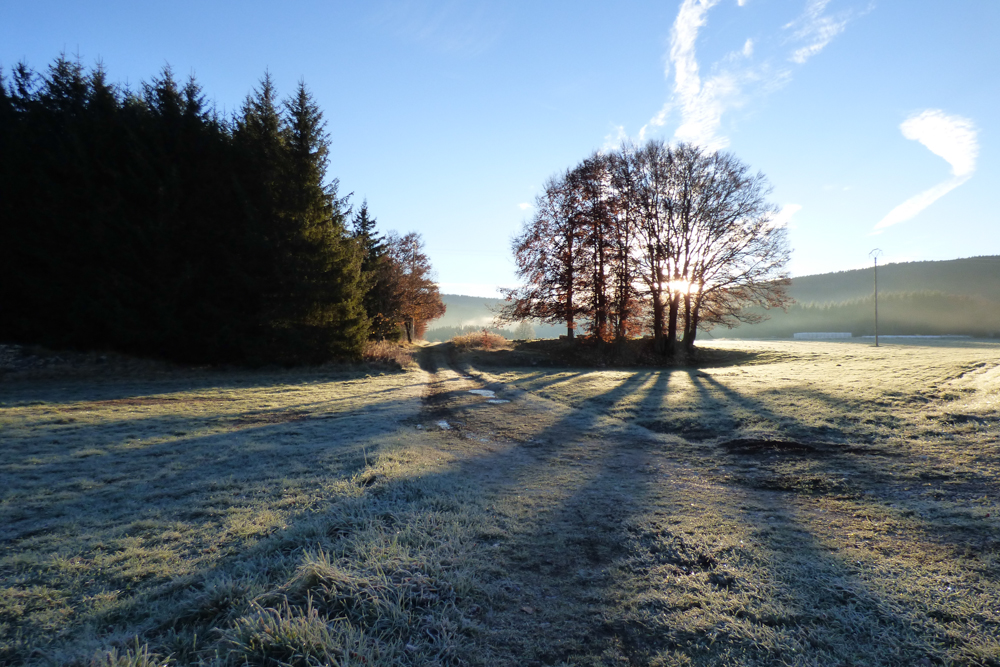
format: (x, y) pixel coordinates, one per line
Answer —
(787, 503)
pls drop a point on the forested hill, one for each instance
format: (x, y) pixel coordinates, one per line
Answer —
(956, 297)
(972, 276)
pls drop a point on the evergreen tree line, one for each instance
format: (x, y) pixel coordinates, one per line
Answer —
(653, 238)
(142, 221)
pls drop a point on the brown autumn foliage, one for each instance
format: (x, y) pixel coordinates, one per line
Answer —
(417, 295)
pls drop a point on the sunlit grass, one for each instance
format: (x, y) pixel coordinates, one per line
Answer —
(875, 543)
(828, 504)
(162, 511)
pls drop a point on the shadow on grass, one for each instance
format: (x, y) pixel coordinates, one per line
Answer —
(15, 392)
(606, 556)
(100, 530)
(595, 575)
(804, 596)
(639, 353)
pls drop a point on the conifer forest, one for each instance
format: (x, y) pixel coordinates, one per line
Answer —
(142, 220)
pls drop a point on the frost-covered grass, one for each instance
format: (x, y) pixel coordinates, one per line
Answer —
(831, 504)
(816, 504)
(223, 519)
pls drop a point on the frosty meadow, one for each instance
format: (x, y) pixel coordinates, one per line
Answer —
(805, 503)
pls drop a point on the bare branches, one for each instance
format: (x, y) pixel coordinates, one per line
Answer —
(673, 231)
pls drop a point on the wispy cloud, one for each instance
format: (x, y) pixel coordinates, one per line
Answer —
(614, 139)
(950, 137)
(524, 206)
(461, 27)
(953, 138)
(814, 30)
(702, 102)
(700, 105)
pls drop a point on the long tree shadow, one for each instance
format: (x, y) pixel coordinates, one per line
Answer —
(622, 553)
(825, 611)
(862, 472)
(61, 391)
(96, 511)
(580, 541)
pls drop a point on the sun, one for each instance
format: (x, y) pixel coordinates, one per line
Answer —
(681, 286)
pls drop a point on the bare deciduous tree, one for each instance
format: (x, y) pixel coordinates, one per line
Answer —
(547, 253)
(734, 256)
(682, 233)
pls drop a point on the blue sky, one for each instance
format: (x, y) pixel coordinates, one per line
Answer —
(875, 121)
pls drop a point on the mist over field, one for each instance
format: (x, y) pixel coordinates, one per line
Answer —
(955, 297)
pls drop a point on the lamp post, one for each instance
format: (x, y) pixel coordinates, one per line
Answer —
(874, 254)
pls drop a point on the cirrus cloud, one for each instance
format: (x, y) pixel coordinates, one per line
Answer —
(739, 76)
(952, 138)
(784, 217)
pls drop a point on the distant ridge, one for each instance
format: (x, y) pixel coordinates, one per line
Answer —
(474, 311)
(951, 297)
(466, 311)
(972, 276)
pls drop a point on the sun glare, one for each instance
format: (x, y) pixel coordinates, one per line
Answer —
(682, 286)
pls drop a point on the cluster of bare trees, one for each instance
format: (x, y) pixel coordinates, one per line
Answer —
(652, 238)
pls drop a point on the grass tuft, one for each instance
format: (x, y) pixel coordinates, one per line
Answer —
(387, 353)
(285, 636)
(481, 340)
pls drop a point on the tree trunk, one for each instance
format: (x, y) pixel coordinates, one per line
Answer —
(689, 336)
(657, 320)
(671, 346)
(570, 324)
(690, 324)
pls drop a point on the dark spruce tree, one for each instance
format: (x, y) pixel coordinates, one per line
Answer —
(139, 221)
(382, 300)
(329, 318)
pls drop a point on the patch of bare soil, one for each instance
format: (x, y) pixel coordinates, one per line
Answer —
(766, 447)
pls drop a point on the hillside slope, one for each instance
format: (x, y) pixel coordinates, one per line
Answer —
(972, 276)
(957, 297)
